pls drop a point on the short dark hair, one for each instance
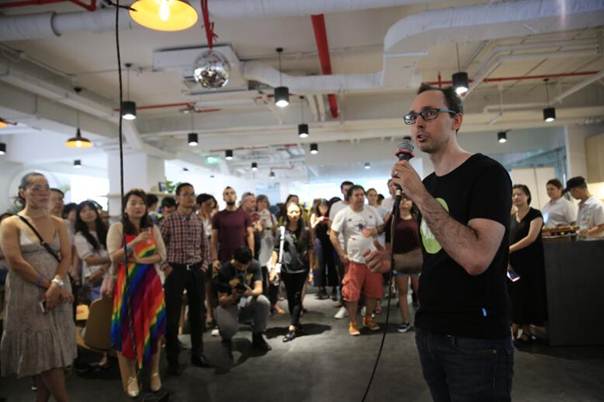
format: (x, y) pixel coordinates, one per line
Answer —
(452, 100)
(168, 202)
(151, 199)
(203, 197)
(525, 190)
(242, 255)
(67, 208)
(354, 188)
(578, 181)
(346, 183)
(181, 186)
(554, 182)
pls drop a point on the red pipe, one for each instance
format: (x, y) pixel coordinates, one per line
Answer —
(524, 77)
(318, 25)
(25, 3)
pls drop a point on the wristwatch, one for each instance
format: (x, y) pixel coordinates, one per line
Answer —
(58, 281)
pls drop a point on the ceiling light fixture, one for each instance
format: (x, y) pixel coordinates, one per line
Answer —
(303, 131)
(128, 107)
(2, 148)
(78, 141)
(272, 175)
(77, 164)
(192, 139)
(367, 165)
(163, 15)
(281, 93)
(502, 137)
(549, 113)
(254, 166)
(460, 78)
(314, 148)
(228, 154)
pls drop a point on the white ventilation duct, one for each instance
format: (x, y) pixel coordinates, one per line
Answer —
(408, 40)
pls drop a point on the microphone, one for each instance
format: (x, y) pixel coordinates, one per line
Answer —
(404, 152)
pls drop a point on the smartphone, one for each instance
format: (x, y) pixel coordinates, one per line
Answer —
(42, 305)
(513, 276)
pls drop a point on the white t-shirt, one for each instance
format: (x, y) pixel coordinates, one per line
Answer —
(335, 208)
(559, 212)
(350, 224)
(85, 250)
(591, 214)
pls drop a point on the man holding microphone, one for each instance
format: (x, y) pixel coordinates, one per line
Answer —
(463, 336)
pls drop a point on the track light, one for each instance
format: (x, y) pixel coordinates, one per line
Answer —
(303, 130)
(314, 148)
(254, 166)
(2, 148)
(228, 154)
(460, 83)
(272, 175)
(163, 15)
(281, 93)
(367, 165)
(129, 110)
(78, 141)
(549, 114)
(77, 164)
(192, 139)
(502, 137)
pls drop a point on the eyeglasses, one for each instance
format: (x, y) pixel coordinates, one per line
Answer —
(427, 114)
(36, 188)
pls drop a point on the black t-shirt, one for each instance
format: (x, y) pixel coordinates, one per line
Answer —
(230, 277)
(295, 251)
(451, 300)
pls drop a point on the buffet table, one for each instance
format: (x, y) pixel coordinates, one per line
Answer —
(575, 291)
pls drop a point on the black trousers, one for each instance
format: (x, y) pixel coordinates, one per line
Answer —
(294, 283)
(192, 279)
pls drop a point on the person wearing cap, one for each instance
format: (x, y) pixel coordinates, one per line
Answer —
(590, 217)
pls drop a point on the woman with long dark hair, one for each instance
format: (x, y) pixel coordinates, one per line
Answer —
(91, 246)
(139, 315)
(291, 263)
(39, 333)
(326, 272)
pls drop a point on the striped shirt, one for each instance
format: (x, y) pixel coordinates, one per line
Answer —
(185, 239)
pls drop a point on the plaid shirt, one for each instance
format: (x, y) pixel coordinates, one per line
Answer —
(186, 242)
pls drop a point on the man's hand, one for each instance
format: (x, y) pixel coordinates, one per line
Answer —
(216, 265)
(344, 258)
(405, 176)
(378, 260)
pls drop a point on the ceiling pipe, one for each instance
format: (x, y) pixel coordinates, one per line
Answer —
(91, 6)
(525, 77)
(318, 26)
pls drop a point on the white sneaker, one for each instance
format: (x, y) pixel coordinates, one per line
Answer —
(342, 312)
(215, 332)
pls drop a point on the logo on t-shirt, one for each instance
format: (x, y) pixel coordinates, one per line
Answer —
(431, 245)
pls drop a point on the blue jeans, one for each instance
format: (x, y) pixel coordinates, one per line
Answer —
(461, 369)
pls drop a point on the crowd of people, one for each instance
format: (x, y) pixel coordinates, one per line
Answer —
(229, 266)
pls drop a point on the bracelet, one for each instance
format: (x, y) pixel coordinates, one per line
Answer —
(58, 281)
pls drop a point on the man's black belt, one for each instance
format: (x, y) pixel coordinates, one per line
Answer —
(194, 265)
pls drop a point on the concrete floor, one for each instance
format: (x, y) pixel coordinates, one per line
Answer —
(328, 365)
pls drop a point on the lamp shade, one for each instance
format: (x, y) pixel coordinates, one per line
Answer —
(228, 154)
(460, 83)
(549, 114)
(77, 164)
(78, 141)
(254, 166)
(163, 15)
(303, 131)
(314, 148)
(192, 139)
(129, 110)
(2, 148)
(502, 137)
(282, 96)
(367, 165)
(272, 175)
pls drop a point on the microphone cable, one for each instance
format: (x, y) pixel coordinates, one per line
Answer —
(393, 217)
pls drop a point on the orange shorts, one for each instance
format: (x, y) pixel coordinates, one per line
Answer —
(358, 277)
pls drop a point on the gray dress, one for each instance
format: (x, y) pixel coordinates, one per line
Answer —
(34, 342)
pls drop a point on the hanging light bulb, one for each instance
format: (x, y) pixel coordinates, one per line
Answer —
(367, 165)
(460, 78)
(192, 139)
(303, 130)
(281, 93)
(314, 148)
(228, 154)
(163, 15)
(128, 110)
(272, 175)
(254, 166)
(77, 164)
(2, 148)
(549, 113)
(502, 137)
(78, 141)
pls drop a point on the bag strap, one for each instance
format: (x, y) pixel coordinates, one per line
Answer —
(281, 242)
(42, 241)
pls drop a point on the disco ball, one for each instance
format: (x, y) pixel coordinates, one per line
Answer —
(211, 70)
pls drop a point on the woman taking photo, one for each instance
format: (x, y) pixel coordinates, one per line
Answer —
(326, 272)
(291, 263)
(139, 316)
(91, 245)
(407, 256)
(39, 333)
(526, 259)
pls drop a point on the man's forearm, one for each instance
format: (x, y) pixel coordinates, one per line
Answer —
(336, 244)
(459, 241)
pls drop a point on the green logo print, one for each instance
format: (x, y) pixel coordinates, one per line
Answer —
(430, 243)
